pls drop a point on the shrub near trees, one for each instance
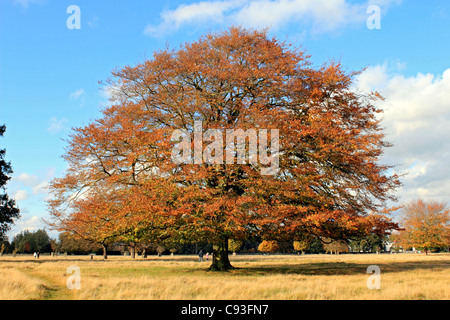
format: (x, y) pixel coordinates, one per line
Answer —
(122, 180)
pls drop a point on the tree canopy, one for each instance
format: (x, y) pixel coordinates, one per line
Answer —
(426, 225)
(318, 146)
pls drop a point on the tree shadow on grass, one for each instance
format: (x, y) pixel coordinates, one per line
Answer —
(338, 268)
(331, 268)
(100, 259)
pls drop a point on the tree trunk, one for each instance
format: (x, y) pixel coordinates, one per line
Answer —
(105, 255)
(220, 261)
(132, 251)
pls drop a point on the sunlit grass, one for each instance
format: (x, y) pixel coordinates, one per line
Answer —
(403, 276)
(17, 285)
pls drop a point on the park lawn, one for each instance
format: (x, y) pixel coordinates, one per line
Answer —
(270, 277)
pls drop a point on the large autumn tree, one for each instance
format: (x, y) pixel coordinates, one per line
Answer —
(426, 225)
(319, 145)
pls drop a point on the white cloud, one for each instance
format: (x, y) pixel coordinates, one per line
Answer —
(417, 121)
(33, 189)
(93, 23)
(385, 3)
(56, 125)
(26, 3)
(197, 12)
(77, 94)
(322, 15)
(36, 184)
(27, 179)
(20, 195)
(33, 223)
(373, 78)
(41, 188)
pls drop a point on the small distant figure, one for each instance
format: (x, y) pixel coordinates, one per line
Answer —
(92, 257)
(35, 255)
(207, 256)
(200, 256)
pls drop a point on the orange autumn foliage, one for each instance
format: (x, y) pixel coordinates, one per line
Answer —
(329, 180)
(269, 246)
(426, 225)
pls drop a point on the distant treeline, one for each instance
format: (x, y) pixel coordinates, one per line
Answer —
(28, 242)
(39, 241)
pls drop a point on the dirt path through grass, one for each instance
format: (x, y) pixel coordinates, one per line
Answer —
(52, 288)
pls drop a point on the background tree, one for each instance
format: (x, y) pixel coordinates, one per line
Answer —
(26, 247)
(426, 225)
(327, 180)
(160, 250)
(302, 242)
(398, 242)
(316, 246)
(70, 244)
(370, 243)
(269, 246)
(335, 246)
(20, 240)
(447, 239)
(175, 247)
(5, 245)
(235, 245)
(42, 241)
(301, 245)
(55, 246)
(9, 212)
(29, 241)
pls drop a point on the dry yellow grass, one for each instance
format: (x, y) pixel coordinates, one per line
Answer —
(275, 277)
(16, 285)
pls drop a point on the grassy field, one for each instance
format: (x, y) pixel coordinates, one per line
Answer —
(274, 277)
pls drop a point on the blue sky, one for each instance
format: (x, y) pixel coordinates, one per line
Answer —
(49, 73)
